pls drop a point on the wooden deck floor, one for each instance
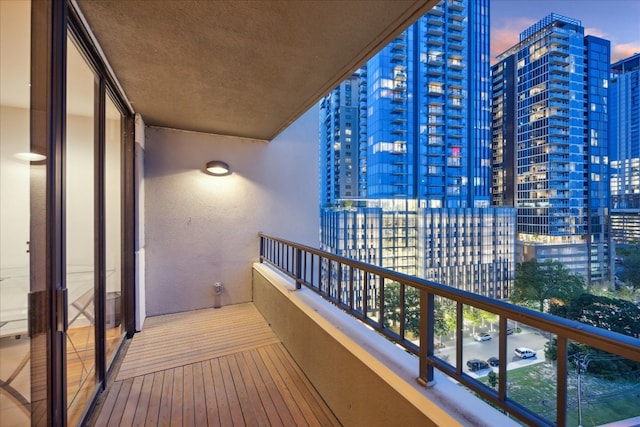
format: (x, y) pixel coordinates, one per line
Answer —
(216, 367)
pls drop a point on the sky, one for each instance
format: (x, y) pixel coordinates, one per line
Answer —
(615, 20)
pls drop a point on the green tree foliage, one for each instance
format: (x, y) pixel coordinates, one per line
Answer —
(630, 264)
(392, 310)
(607, 313)
(444, 316)
(492, 378)
(537, 282)
(615, 315)
(473, 316)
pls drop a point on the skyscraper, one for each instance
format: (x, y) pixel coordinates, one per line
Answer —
(424, 157)
(550, 142)
(624, 131)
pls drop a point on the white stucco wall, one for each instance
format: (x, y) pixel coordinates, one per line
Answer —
(201, 229)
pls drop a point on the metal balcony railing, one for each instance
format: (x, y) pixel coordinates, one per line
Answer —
(361, 290)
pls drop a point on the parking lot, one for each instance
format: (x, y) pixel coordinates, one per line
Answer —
(483, 350)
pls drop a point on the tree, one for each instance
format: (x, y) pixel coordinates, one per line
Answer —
(612, 314)
(392, 308)
(630, 265)
(445, 318)
(492, 378)
(538, 282)
(444, 313)
(473, 316)
(607, 313)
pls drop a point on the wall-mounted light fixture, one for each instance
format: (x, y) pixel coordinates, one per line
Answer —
(30, 157)
(217, 168)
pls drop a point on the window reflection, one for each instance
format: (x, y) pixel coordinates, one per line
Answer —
(113, 219)
(80, 232)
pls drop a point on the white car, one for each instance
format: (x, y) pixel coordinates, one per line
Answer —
(524, 352)
(483, 337)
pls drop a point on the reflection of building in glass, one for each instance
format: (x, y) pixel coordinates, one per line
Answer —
(624, 130)
(550, 144)
(418, 147)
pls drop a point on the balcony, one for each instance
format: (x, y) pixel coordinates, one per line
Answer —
(305, 360)
(237, 372)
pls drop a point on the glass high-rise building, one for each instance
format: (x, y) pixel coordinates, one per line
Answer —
(550, 143)
(423, 158)
(624, 132)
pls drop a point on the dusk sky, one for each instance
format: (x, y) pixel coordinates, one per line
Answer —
(615, 20)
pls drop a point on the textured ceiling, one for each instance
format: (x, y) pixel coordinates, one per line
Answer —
(241, 68)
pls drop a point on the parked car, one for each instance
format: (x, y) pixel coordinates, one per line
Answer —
(493, 361)
(510, 331)
(482, 337)
(477, 365)
(524, 352)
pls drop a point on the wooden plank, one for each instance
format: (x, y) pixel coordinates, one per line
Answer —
(188, 414)
(213, 418)
(164, 411)
(153, 410)
(143, 403)
(199, 398)
(252, 390)
(221, 397)
(132, 402)
(107, 406)
(269, 396)
(185, 338)
(231, 394)
(176, 397)
(280, 383)
(246, 404)
(121, 401)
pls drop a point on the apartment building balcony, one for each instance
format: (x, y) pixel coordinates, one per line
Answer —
(435, 30)
(398, 57)
(558, 70)
(435, 61)
(399, 45)
(455, 35)
(455, 5)
(435, 70)
(456, 44)
(436, 11)
(456, 25)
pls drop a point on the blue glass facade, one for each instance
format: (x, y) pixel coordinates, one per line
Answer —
(550, 143)
(624, 131)
(624, 134)
(339, 155)
(425, 152)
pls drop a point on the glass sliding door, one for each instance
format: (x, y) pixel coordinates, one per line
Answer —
(65, 258)
(23, 339)
(80, 234)
(113, 170)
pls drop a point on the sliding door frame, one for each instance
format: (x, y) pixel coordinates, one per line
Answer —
(51, 22)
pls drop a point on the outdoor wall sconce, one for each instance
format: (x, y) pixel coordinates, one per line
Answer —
(32, 156)
(217, 168)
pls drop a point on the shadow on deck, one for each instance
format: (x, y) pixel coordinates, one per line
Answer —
(215, 367)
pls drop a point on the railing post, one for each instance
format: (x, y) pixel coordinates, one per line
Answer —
(262, 251)
(298, 268)
(561, 387)
(427, 336)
